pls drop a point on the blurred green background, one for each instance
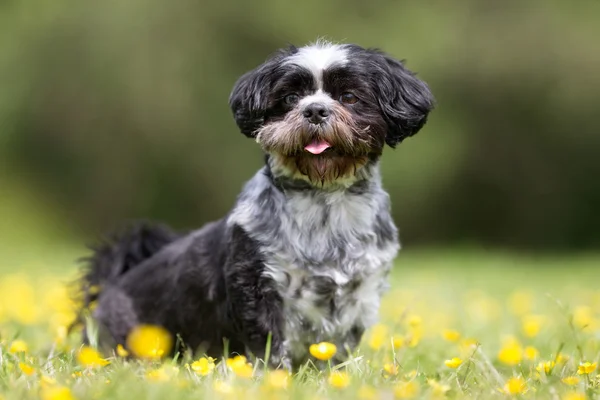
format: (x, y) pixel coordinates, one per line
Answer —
(117, 110)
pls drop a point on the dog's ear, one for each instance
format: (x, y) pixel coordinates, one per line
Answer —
(250, 95)
(404, 99)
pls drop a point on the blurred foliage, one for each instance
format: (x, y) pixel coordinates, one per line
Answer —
(117, 110)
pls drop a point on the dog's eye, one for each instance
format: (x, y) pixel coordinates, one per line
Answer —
(291, 99)
(348, 98)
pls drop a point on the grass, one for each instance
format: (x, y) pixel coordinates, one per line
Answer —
(517, 324)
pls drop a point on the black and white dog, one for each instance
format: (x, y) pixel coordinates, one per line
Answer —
(304, 254)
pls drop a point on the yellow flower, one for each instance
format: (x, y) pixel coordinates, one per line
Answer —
(511, 353)
(26, 369)
(515, 385)
(378, 336)
(545, 366)
(240, 366)
(121, 352)
(390, 369)
(531, 353)
(583, 316)
(586, 368)
(453, 363)
(574, 396)
(18, 346)
(450, 335)
(278, 379)
(406, 390)
(366, 393)
(16, 289)
(149, 341)
(162, 374)
(532, 324)
(203, 366)
(89, 357)
(323, 351)
(56, 393)
(571, 380)
(562, 358)
(438, 389)
(414, 321)
(46, 381)
(398, 341)
(339, 380)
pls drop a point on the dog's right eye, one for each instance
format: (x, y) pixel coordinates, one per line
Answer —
(291, 99)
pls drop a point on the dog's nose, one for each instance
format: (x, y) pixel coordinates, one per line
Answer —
(316, 113)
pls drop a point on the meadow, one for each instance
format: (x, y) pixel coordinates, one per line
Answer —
(456, 324)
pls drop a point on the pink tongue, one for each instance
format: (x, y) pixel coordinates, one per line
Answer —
(317, 146)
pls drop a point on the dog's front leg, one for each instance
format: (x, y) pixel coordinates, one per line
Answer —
(256, 306)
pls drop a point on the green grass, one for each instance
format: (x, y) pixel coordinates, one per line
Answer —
(500, 300)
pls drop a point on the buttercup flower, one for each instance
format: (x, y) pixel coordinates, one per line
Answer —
(438, 389)
(26, 369)
(56, 393)
(323, 351)
(18, 346)
(378, 336)
(545, 366)
(121, 352)
(532, 324)
(406, 390)
(515, 385)
(453, 363)
(531, 353)
(511, 353)
(339, 380)
(162, 374)
(586, 368)
(574, 396)
(278, 379)
(571, 380)
(450, 335)
(89, 357)
(398, 341)
(149, 341)
(240, 366)
(390, 369)
(203, 366)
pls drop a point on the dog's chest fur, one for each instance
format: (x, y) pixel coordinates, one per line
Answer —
(328, 253)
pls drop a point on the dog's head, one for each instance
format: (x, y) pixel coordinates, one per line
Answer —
(323, 111)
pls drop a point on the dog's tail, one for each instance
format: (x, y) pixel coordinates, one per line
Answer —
(116, 255)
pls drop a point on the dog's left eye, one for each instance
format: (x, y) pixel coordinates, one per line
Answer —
(348, 98)
(291, 99)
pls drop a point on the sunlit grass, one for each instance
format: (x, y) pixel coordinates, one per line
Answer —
(455, 325)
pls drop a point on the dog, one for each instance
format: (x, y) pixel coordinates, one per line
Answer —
(305, 253)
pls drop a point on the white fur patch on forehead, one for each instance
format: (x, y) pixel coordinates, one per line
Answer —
(318, 57)
(318, 97)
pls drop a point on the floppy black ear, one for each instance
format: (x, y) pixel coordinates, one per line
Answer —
(404, 99)
(249, 98)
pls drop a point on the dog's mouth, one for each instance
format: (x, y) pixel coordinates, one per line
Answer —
(317, 146)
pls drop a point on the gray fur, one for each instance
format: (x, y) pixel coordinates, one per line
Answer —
(329, 252)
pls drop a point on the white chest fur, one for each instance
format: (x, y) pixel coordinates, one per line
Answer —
(329, 254)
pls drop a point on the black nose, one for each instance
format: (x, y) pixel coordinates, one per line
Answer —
(316, 113)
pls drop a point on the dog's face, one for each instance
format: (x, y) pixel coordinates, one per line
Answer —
(322, 112)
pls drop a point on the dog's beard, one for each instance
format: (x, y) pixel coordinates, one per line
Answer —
(286, 141)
